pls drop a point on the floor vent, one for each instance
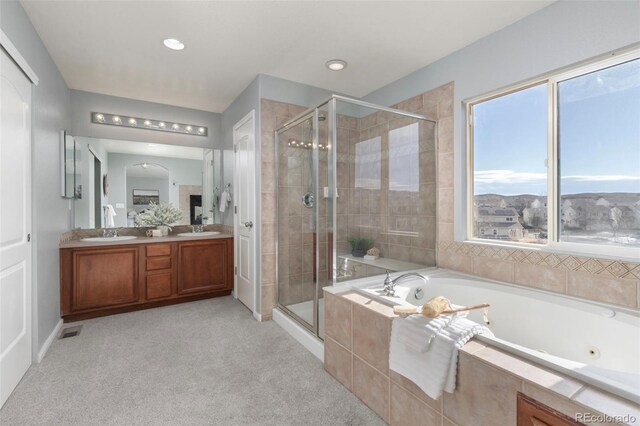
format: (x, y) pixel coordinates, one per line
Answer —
(70, 332)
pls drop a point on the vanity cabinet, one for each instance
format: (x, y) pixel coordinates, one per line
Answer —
(104, 280)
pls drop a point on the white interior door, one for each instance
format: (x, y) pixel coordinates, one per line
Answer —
(244, 147)
(15, 226)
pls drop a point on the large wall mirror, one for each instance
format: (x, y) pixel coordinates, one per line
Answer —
(129, 176)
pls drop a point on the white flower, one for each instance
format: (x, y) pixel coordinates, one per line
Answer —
(163, 214)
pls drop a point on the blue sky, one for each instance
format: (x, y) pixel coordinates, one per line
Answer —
(599, 118)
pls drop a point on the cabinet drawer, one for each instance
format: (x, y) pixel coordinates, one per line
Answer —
(158, 285)
(158, 263)
(158, 250)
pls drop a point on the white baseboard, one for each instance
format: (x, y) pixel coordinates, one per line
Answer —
(257, 316)
(47, 343)
(301, 334)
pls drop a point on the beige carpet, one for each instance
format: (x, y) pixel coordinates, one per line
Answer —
(207, 362)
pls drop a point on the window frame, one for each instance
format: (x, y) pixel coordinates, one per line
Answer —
(553, 243)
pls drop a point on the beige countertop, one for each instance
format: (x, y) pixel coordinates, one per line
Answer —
(142, 240)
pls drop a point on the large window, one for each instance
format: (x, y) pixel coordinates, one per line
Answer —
(558, 162)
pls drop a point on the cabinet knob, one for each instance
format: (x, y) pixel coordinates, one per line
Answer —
(248, 224)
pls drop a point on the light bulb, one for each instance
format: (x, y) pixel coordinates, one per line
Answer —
(133, 122)
(116, 119)
(147, 123)
(162, 125)
(100, 118)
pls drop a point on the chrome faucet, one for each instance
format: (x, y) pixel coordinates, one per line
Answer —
(390, 284)
(110, 233)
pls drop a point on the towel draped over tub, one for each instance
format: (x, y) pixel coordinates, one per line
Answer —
(425, 350)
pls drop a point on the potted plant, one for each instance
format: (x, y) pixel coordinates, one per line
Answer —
(162, 216)
(359, 246)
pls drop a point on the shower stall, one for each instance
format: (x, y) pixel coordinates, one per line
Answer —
(352, 176)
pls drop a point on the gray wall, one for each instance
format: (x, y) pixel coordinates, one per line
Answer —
(83, 103)
(183, 171)
(50, 111)
(280, 90)
(555, 37)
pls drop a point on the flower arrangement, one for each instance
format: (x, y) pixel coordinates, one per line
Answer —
(163, 214)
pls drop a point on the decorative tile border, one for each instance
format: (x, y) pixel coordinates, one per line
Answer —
(595, 266)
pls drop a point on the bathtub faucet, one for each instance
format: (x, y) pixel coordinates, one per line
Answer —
(390, 284)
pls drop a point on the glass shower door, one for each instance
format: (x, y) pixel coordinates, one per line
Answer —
(297, 236)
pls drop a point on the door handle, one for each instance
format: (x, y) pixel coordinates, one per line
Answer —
(248, 224)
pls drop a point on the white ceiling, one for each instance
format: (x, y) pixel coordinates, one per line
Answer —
(115, 47)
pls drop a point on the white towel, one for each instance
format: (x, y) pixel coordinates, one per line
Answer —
(108, 218)
(225, 199)
(431, 361)
(407, 334)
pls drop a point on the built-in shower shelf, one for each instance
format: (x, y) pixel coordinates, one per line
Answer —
(383, 263)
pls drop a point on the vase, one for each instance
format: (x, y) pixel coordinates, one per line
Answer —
(164, 229)
(358, 253)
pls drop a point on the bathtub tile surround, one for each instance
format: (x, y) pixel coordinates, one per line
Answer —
(596, 279)
(488, 378)
(371, 387)
(484, 395)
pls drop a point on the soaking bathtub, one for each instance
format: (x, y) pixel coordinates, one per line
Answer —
(596, 343)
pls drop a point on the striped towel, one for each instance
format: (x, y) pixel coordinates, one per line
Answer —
(425, 350)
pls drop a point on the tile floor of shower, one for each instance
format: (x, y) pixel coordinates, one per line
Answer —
(304, 310)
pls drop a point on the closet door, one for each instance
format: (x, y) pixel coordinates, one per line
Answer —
(15, 226)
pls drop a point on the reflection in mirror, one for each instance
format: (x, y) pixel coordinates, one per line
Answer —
(140, 173)
(67, 150)
(146, 183)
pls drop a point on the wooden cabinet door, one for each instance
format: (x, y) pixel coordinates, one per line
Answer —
(202, 266)
(105, 277)
(534, 413)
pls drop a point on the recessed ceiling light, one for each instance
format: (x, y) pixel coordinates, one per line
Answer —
(173, 44)
(336, 64)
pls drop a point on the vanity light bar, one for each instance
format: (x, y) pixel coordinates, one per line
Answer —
(148, 124)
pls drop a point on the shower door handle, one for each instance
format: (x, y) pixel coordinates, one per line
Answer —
(308, 200)
(248, 224)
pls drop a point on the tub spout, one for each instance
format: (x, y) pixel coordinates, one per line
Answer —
(390, 284)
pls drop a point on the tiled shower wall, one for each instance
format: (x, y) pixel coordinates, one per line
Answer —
(272, 115)
(401, 222)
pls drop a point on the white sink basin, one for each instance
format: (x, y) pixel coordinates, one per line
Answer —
(198, 234)
(108, 239)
